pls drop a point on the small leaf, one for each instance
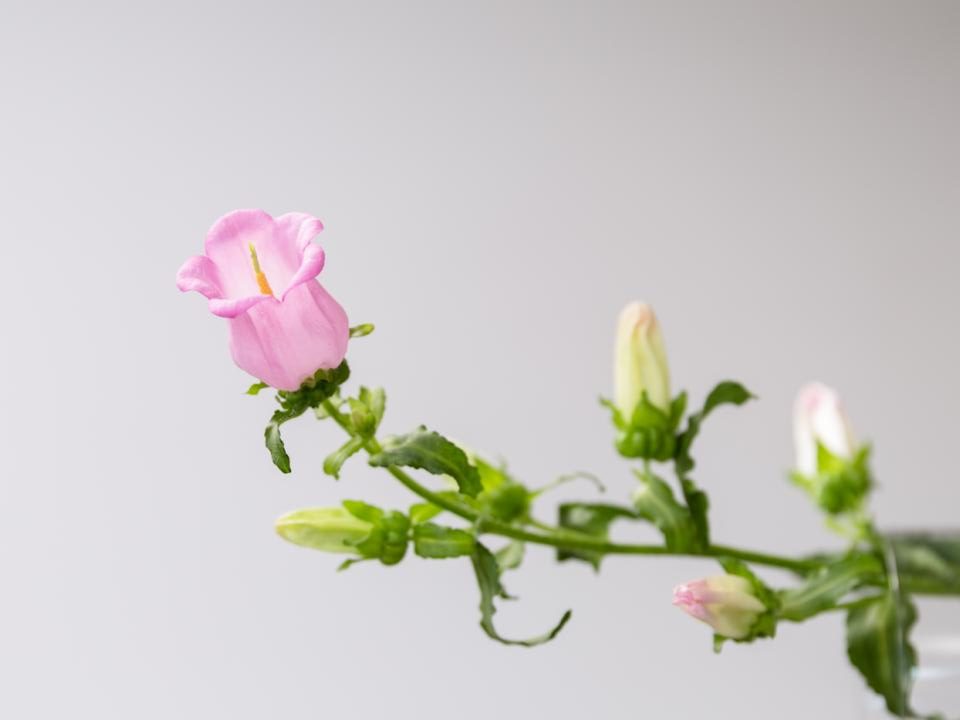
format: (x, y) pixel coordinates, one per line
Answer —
(427, 450)
(256, 388)
(488, 580)
(435, 541)
(591, 519)
(654, 501)
(699, 505)
(825, 588)
(423, 512)
(274, 442)
(362, 330)
(727, 392)
(510, 555)
(928, 563)
(335, 460)
(878, 646)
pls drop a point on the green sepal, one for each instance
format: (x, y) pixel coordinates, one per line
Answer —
(841, 486)
(510, 556)
(765, 626)
(322, 386)
(878, 645)
(436, 541)
(256, 388)
(654, 501)
(388, 539)
(825, 588)
(427, 450)
(487, 571)
(592, 519)
(366, 410)
(335, 460)
(362, 330)
(650, 432)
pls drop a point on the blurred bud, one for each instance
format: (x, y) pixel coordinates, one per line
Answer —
(819, 420)
(726, 603)
(328, 529)
(640, 362)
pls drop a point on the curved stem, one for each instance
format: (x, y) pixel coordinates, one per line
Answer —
(560, 538)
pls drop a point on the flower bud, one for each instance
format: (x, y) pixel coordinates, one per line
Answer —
(640, 361)
(819, 419)
(726, 603)
(329, 529)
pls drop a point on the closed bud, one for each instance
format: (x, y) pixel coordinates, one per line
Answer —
(640, 362)
(820, 422)
(331, 529)
(726, 603)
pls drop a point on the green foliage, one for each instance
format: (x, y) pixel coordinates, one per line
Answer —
(436, 541)
(593, 519)
(654, 502)
(366, 411)
(423, 512)
(510, 556)
(322, 386)
(427, 450)
(928, 563)
(650, 432)
(825, 588)
(879, 647)
(389, 535)
(362, 330)
(765, 626)
(841, 486)
(256, 388)
(335, 460)
(487, 571)
(724, 393)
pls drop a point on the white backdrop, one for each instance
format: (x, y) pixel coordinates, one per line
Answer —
(780, 179)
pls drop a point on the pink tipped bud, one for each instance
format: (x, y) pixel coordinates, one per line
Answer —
(818, 418)
(724, 602)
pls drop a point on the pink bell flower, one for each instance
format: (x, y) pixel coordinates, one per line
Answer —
(725, 602)
(259, 272)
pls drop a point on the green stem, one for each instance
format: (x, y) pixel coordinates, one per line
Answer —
(556, 537)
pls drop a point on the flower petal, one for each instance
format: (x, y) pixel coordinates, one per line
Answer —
(310, 267)
(231, 307)
(199, 274)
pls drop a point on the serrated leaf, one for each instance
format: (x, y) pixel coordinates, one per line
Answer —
(487, 571)
(591, 519)
(436, 541)
(430, 451)
(654, 501)
(878, 646)
(335, 460)
(824, 589)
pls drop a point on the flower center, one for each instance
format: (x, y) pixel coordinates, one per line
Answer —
(262, 282)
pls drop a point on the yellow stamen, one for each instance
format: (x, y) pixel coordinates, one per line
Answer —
(261, 278)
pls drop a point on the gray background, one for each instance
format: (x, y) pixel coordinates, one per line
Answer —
(781, 179)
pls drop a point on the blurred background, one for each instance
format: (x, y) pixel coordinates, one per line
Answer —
(781, 180)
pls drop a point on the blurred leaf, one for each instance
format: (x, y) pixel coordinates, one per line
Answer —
(487, 570)
(654, 502)
(927, 562)
(362, 330)
(826, 588)
(427, 450)
(335, 460)
(510, 555)
(592, 519)
(435, 541)
(423, 512)
(256, 388)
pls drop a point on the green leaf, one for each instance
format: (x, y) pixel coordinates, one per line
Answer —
(435, 541)
(510, 555)
(928, 562)
(824, 589)
(423, 512)
(256, 388)
(487, 570)
(727, 392)
(427, 450)
(335, 460)
(591, 519)
(654, 502)
(699, 506)
(878, 646)
(322, 386)
(362, 330)
(274, 442)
